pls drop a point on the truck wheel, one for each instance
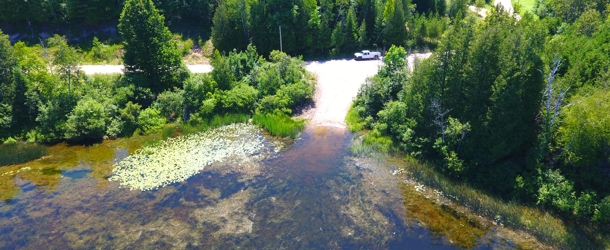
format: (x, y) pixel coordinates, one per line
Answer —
(376, 57)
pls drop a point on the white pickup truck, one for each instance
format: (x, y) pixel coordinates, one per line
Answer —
(365, 55)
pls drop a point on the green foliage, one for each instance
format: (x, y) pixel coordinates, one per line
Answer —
(353, 120)
(150, 51)
(585, 129)
(52, 117)
(230, 25)
(150, 120)
(170, 103)
(195, 90)
(222, 73)
(240, 99)
(102, 53)
(20, 152)
(602, 211)
(129, 118)
(86, 122)
(556, 191)
(386, 85)
(279, 124)
(7, 64)
(588, 23)
(197, 124)
(65, 58)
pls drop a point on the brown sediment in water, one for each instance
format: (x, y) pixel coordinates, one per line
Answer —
(324, 144)
(461, 230)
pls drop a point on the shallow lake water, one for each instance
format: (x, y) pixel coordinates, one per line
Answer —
(313, 195)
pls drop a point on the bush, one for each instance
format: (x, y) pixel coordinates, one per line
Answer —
(279, 124)
(170, 104)
(151, 120)
(556, 191)
(196, 89)
(87, 121)
(602, 211)
(129, 118)
(240, 99)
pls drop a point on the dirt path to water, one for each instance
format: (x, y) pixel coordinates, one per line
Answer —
(338, 85)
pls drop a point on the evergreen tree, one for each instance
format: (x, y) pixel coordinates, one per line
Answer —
(7, 64)
(396, 16)
(150, 53)
(351, 29)
(230, 29)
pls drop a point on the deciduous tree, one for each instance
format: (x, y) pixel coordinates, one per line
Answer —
(150, 51)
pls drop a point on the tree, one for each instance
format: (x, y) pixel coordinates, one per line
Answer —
(396, 16)
(230, 25)
(351, 29)
(65, 58)
(7, 64)
(150, 52)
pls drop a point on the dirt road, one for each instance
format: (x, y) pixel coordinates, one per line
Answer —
(338, 85)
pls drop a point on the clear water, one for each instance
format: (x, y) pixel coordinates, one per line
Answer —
(311, 196)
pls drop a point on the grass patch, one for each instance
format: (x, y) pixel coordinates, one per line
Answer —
(353, 120)
(279, 125)
(20, 152)
(522, 6)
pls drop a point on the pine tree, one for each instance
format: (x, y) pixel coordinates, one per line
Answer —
(150, 54)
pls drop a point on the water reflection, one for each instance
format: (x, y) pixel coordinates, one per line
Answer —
(311, 196)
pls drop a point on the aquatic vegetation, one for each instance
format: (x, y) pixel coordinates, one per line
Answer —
(177, 159)
(279, 125)
(15, 153)
(461, 229)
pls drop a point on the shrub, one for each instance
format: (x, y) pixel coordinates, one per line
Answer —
(602, 211)
(170, 104)
(240, 99)
(151, 120)
(129, 118)
(87, 121)
(196, 88)
(556, 191)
